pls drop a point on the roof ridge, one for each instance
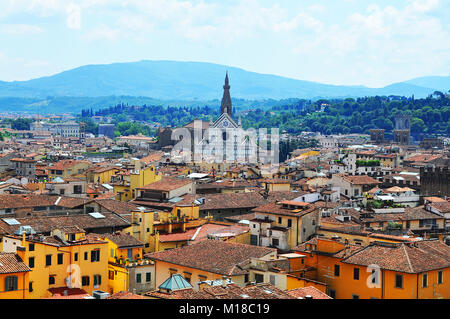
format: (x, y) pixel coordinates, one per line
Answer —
(407, 258)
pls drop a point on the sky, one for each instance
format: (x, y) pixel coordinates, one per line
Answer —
(343, 42)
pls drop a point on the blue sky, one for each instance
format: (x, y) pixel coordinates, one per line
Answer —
(352, 42)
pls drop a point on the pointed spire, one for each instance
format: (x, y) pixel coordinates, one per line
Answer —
(226, 106)
(226, 79)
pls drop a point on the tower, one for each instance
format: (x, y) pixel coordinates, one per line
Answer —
(402, 129)
(226, 106)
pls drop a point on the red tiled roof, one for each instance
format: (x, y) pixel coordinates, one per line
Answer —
(308, 291)
(213, 256)
(414, 257)
(167, 184)
(12, 263)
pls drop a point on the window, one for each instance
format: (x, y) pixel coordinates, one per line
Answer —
(60, 259)
(11, 283)
(77, 189)
(31, 262)
(48, 260)
(289, 222)
(51, 280)
(336, 270)
(148, 276)
(111, 275)
(85, 255)
(246, 278)
(275, 241)
(279, 220)
(95, 255)
(97, 280)
(61, 191)
(272, 279)
(259, 278)
(138, 278)
(85, 281)
(440, 277)
(356, 273)
(31, 247)
(424, 280)
(398, 281)
(75, 257)
(30, 286)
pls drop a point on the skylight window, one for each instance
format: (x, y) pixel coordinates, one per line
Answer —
(97, 215)
(11, 221)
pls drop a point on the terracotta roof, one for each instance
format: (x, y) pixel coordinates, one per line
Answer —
(308, 291)
(153, 157)
(202, 232)
(274, 208)
(12, 263)
(125, 295)
(415, 213)
(64, 164)
(361, 180)
(167, 184)
(67, 293)
(424, 158)
(213, 256)
(123, 240)
(35, 200)
(231, 291)
(414, 257)
(44, 224)
(115, 206)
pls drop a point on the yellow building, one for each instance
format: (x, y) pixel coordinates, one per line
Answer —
(124, 252)
(67, 168)
(101, 175)
(283, 225)
(67, 258)
(126, 186)
(276, 185)
(14, 275)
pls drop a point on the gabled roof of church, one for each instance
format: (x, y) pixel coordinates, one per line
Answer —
(223, 117)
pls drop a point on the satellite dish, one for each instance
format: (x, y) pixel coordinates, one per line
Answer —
(24, 181)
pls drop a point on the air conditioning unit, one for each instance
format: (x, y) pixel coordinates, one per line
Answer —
(98, 294)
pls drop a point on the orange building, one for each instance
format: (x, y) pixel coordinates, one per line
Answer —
(381, 270)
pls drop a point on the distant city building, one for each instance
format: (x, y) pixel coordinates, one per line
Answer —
(377, 136)
(106, 130)
(402, 129)
(67, 129)
(432, 143)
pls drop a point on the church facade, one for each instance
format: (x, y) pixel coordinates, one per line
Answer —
(221, 141)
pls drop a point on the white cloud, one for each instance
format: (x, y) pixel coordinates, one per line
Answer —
(18, 29)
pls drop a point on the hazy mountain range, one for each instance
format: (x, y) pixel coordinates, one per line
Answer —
(185, 81)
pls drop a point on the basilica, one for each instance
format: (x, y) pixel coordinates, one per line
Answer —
(221, 141)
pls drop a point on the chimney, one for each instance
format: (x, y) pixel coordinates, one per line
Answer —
(224, 281)
(21, 252)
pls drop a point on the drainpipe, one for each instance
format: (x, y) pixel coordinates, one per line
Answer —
(417, 282)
